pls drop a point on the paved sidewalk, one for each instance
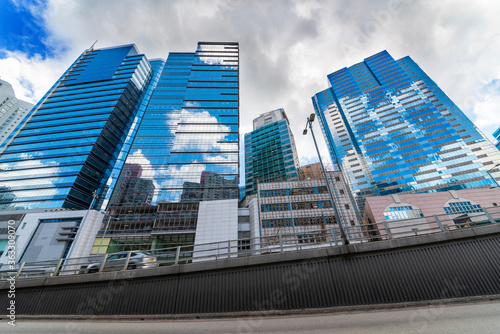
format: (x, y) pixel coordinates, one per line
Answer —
(454, 318)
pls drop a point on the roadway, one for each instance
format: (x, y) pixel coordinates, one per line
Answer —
(464, 318)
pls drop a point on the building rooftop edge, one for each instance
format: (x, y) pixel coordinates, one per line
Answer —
(215, 43)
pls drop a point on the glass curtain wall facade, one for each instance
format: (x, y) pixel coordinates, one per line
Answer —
(186, 147)
(67, 148)
(185, 150)
(392, 129)
(270, 152)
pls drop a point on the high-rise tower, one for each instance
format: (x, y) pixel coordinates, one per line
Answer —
(12, 110)
(270, 153)
(182, 151)
(67, 148)
(150, 138)
(392, 129)
(186, 144)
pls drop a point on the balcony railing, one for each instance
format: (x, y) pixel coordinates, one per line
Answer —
(285, 242)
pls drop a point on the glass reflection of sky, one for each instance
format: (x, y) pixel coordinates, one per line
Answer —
(187, 141)
(61, 155)
(393, 129)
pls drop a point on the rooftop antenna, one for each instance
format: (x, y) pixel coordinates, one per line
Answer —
(92, 46)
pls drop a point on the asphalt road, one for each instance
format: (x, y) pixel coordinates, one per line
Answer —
(467, 318)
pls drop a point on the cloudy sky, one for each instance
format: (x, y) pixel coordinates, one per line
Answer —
(286, 47)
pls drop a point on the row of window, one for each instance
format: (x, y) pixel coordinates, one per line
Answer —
(295, 206)
(119, 244)
(294, 191)
(404, 212)
(299, 221)
(462, 207)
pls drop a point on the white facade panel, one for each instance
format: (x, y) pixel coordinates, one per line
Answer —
(217, 225)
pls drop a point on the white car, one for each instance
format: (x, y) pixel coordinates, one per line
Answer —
(138, 260)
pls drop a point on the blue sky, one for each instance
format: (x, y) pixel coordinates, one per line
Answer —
(287, 47)
(21, 31)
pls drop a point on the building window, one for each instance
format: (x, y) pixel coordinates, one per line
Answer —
(402, 212)
(462, 207)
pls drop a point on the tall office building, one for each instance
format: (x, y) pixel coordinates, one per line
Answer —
(151, 138)
(270, 152)
(392, 129)
(70, 142)
(187, 140)
(302, 211)
(12, 110)
(151, 129)
(183, 151)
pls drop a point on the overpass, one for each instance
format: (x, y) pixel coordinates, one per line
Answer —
(450, 264)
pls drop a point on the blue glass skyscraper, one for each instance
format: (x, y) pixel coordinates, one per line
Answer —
(69, 145)
(133, 131)
(392, 129)
(186, 145)
(150, 138)
(182, 149)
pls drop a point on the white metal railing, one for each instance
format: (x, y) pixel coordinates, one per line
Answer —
(302, 240)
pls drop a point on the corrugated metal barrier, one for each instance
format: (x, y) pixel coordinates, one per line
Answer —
(458, 268)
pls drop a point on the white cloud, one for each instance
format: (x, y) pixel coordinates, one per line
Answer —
(148, 172)
(32, 77)
(202, 116)
(487, 113)
(286, 48)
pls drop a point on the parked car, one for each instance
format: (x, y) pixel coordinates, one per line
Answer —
(138, 260)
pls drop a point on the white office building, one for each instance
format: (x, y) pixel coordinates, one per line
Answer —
(12, 110)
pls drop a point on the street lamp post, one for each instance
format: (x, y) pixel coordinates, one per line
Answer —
(94, 196)
(310, 119)
(104, 234)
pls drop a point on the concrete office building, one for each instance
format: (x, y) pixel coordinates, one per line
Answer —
(312, 171)
(302, 210)
(12, 111)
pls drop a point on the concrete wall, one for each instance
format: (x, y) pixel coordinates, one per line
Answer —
(254, 222)
(453, 264)
(44, 244)
(217, 223)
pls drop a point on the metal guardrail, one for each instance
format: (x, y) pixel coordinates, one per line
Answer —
(306, 239)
